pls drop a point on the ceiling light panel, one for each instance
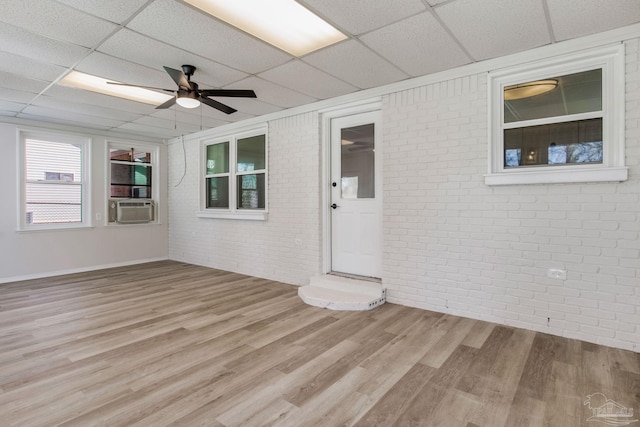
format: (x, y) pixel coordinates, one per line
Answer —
(97, 84)
(282, 23)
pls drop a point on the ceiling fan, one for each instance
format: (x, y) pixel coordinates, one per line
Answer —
(189, 95)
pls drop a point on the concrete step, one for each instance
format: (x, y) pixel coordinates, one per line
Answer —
(342, 293)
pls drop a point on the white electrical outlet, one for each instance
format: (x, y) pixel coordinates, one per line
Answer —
(554, 273)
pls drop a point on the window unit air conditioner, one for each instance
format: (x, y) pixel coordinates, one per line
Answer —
(134, 211)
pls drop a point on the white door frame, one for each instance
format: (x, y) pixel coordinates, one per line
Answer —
(325, 136)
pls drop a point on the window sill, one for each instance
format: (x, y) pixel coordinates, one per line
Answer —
(242, 215)
(559, 176)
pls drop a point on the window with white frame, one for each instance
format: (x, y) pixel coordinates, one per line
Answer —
(132, 173)
(55, 187)
(559, 120)
(235, 176)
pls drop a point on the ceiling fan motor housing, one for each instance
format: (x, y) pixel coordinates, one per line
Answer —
(188, 70)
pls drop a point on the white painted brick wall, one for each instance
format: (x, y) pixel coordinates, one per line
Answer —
(260, 248)
(451, 243)
(454, 245)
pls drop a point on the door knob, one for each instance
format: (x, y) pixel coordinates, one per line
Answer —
(333, 205)
(333, 184)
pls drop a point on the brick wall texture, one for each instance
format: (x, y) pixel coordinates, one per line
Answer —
(451, 243)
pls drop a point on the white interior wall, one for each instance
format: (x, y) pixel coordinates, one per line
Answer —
(451, 243)
(30, 254)
(286, 247)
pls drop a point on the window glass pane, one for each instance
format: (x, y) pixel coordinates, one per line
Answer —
(53, 161)
(251, 154)
(218, 158)
(574, 94)
(53, 203)
(218, 192)
(357, 161)
(130, 180)
(131, 155)
(555, 144)
(53, 189)
(251, 191)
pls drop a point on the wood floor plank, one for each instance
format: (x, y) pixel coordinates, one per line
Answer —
(168, 343)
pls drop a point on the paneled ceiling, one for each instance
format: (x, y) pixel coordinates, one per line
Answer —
(129, 41)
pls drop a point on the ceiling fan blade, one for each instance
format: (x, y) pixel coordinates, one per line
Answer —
(236, 93)
(178, 77)
(142, 87)
(218, 105)
(166, 104)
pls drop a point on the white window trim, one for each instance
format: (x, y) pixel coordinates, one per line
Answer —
(155, 178)
(612, 169)
(23, 135)
(233, 212)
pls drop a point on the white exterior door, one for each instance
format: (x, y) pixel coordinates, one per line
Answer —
(356, 195)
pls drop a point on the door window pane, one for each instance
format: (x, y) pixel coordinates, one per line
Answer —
(251, 191)
(251, 154)
(218, 158)
(218, 192)
(357, 161)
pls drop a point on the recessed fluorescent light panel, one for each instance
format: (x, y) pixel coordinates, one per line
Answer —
(100, 85)
(283, 23)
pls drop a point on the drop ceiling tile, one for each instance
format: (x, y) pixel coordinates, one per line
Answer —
(16, 82)
(29, 68)
(229, 118)
(252, 107)
(11, 107)
(272, 93)
(206, 115)
(93, 98)
(156, 122)
(68, 116)
(366, 69)
(417, 45)
(168, 123)
(361, 16)
(91, 110)
(112, 10)
(19, 96)
(140, 129)
(181, 26)
(576, 18)
(136, 48)
(25, 43)
(109, 67)
(305, 79)
(196, 119)
(497, 28)
(56, 21)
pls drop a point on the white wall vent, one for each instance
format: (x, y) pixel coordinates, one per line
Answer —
(134, 211)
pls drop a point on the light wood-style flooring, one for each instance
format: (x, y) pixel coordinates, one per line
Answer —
(168, 343)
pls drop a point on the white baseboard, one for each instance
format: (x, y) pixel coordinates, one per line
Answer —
(78, 270)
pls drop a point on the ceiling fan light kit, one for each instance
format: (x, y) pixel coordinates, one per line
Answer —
(187, 99)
